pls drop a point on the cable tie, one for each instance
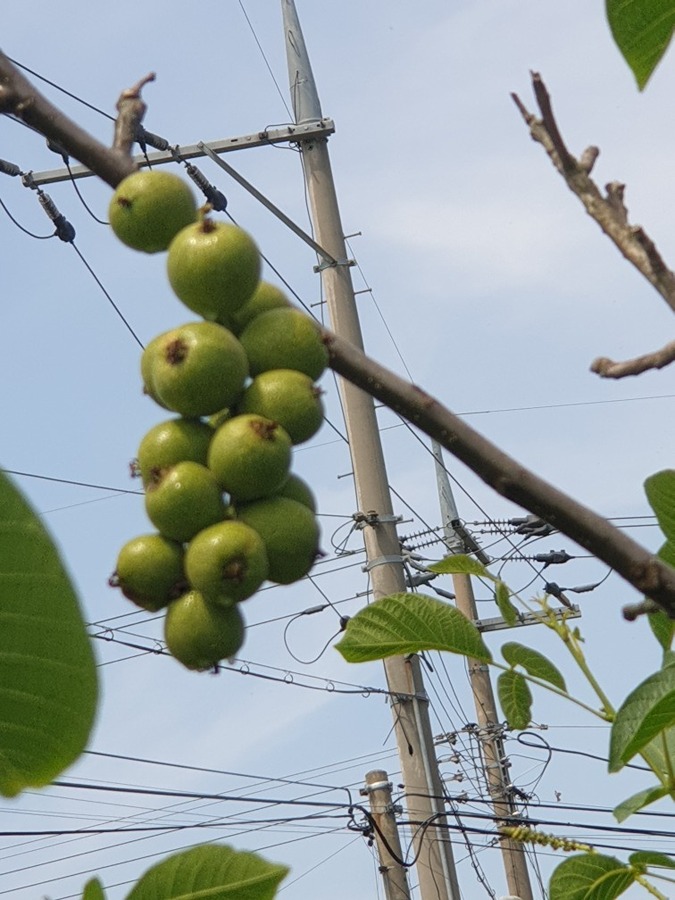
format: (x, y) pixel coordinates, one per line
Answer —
(381, 561)
(8, 168)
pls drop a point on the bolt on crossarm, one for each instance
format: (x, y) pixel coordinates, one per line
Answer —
(435, 866)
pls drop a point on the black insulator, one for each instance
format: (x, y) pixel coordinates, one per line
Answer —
(64, 230)
(215, 197)
(144, 137)
(8, 168)
(58, 149)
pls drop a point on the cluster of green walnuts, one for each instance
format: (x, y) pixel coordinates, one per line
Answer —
(228, 512)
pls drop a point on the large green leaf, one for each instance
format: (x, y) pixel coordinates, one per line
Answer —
(48, 684)
(410, 623)
(93, 890)
(503, 601)
(534, 663)
(644, 714)
(660, 491)
(642, 30)
(515, 699)
(646, 858)
(638, 801)
(458, 564)
(590, 876)
(663, 627)
(210, 872)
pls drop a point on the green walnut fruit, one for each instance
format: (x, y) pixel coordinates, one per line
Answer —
(284, 339)
(295, 488)
(250, 457)
(213, 267)
(149, 208)
(147, 364)
(288, 397)
(183, 500)
(149, 571)
(227, 562)
(200, 634)
(171, 442)
(266, 296)
(197, 369)
(290, 533)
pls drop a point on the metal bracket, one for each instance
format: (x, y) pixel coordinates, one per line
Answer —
(372, 517)
(328, 264)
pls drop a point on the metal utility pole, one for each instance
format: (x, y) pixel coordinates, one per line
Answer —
(489, 728)
(435, 866)
(394, 874)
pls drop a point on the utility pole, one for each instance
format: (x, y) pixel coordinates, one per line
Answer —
(394, 874)
(423, 787)
(489, 729)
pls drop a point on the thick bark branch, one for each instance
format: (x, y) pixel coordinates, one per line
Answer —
(638, 566)
(607, 368)
(510, 479)
(21, 99)
(608, 211)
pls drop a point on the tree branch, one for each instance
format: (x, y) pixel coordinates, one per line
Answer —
(18, 97)
(638, 566)
(608, 211)
(607, 368)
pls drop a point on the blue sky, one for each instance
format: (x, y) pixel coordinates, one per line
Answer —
(490, 287)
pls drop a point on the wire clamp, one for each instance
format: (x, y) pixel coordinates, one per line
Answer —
(382, 561)
(372, 517)
(375, 786)
(333, 264)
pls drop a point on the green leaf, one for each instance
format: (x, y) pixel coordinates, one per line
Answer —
(48, 684)
(668, 659)
(590, 876)
(644, 714)
(93, 890)
(457, 564)
(210, 872)
(645, 858)
(534, 663)
(409, 623)
(503, 601)
(515, 699)
(642, 30)
(638, 801)
(660, 491)
(663, 627)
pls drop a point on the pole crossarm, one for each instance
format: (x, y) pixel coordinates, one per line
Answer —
(306, 131)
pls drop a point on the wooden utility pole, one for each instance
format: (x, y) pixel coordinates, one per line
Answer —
(489, 728)
(394, 873)
(423, 787)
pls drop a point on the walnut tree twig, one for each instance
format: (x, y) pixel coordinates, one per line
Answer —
(19, 98)
(609, 210)
(130, 112)
(607, 368)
